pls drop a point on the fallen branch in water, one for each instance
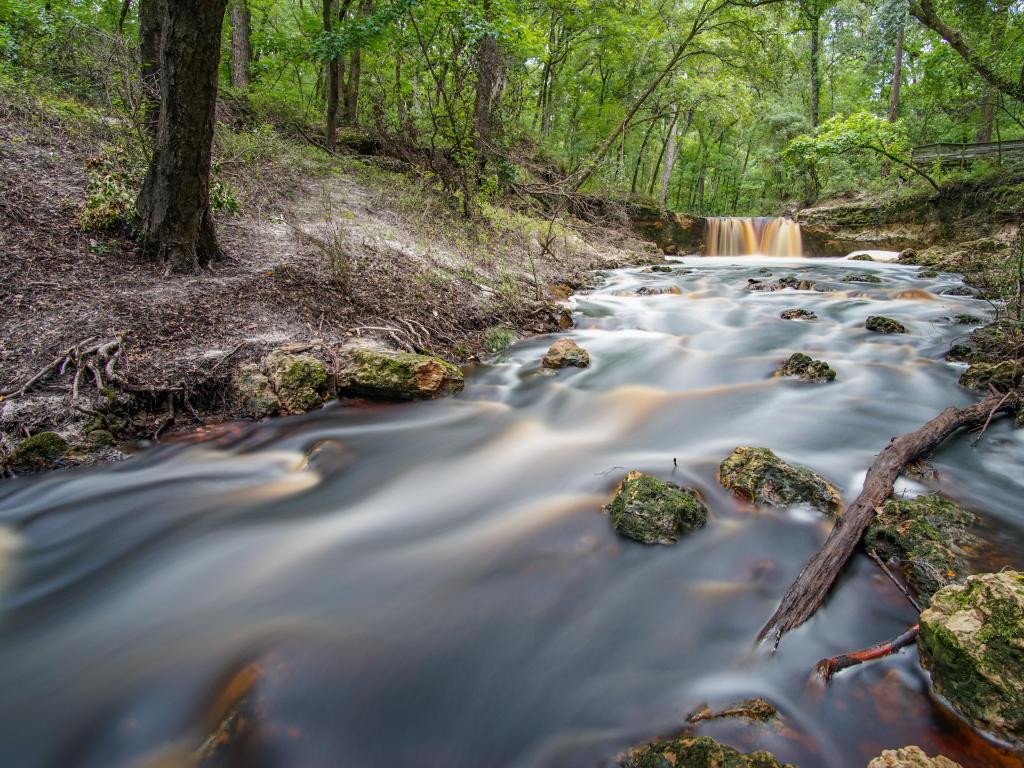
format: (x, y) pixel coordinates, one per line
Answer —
(828, 667)
(806, 594)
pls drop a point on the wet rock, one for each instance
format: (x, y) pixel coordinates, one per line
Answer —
(798, 314)
(38, 452)
(697, 752)
(927, 273)
(390, 375)
(907, 256)
(807, 368)
(659, 268)
(910, 757)
(647, 291)
(972, 643)
(781, 284)
(653, 511)
(966, 319)
(765, 271)
(757, 709)
(880, 324)
(862, 257)
(100, 438)
(862, 279)
(925, 535)
(299, 379)
(1003, 376)
(566, 352)
(252, 392)
(957, 290)
(761, 476)
(959, 353)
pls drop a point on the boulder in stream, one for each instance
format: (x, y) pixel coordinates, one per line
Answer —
(1003, 376)
(862, 278)
(697, 752)
(972, 643)
(299, 379)
(38, 452)
(957, 290)
(564, 353)
(389, 375)
(910, 757)
(252, 392)
(880, 324)
(807, 368)
(654, 511)
(761, 476)
(797, 314)
(925, 535)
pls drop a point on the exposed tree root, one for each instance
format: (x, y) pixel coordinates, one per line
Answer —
(827, 668)
(812, 586)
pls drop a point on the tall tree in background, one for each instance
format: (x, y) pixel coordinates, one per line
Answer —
(490, 82)
(176, 226)
(241, 44)
(355, 70)
(151, 24)
(333, 86)
(811, 12)
(900, 11)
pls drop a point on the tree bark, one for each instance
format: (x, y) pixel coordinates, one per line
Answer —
(815, 71)
(151, 21)
(176, 226)
(806, 594)
(355, 71)
(333, 85)
(241, 44)
(897, 75)
(986, 115)
(924, 11)
(671, 148)
(490, 82)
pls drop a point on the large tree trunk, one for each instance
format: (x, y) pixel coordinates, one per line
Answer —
(897, 75)
(986, 114)
(671, 148)
(241, 44)
(815, 71)
(355, 70)
(174, 207)
(490, 82)
(333, 81)
(151, 22)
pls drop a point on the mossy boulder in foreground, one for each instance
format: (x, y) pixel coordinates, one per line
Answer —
(972, 642)
(879, 324)
(807, 369)
(252, 392)
(300, 380)
(392, 375)
(1002, 376)
(38, 452)
(910, 757)
(697, 752)
(653, 511)
(924, 535)
(761, 476)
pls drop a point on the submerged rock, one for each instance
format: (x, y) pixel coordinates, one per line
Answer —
(1003, 376)
(957, 290)
(566, 352)
(761, 476)
(252, 392)
(653, 511)
(757, 709)
(959, 353)
(697, 752)
(38, 452)
(660, 268)
(880, 324)
(910, 757)
(925, 535)
(672, 289)
(807, 368)
(299, 379)
(390, 375)
(966, 319)
(972, 642)
(928, 273)
(862, 257)
(798, 314)
(862, 279)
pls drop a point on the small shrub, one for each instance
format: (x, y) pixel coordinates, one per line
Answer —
(497, 338)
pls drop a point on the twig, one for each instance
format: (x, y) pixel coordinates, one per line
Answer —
(229, 354)
(885, 569)
(974, 443)
(827, 668)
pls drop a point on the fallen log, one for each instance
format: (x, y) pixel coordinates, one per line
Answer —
(806, 594)
(828, 667)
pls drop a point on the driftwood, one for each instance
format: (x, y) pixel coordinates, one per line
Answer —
(806, 594)
(828, 667)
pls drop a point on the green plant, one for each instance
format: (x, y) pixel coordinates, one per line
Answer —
(497, 338)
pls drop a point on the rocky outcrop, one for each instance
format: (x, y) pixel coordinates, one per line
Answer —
(972, 643)
(879, 324)
(807, 369)
(38, 452)
(697, 752)
(299, 379)
(797, 314)
(653, 511)
(252, 392)
(925, 535)
(761, 476)
(564, 353)
(753, 284)
(910, 757)
(390, 375)
(1003, 376)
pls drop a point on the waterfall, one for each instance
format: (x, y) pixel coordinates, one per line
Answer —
(748, 236)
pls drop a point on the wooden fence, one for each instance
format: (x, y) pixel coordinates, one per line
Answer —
(948, 153)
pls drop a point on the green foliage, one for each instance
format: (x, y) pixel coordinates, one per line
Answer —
(497, 338)
(842, 135)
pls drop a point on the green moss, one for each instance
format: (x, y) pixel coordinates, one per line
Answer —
(39, 451)
(497, 338)
(300, 380)
(797, 314)
(101, 438)
(761, 476)
(653, 511)
(398, 375)
(862, 257)
(252, 392)
(807, 369)
(879, 324)
(855, 278)
(927, 273)
(1005, 375)
(697, 752)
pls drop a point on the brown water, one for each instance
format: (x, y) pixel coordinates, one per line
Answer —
(435, 584)
(753, 236)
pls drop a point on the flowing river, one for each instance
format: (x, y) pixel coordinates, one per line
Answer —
(435, 584)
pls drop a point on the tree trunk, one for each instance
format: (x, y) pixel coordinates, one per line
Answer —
(815, 72)
(897, 75)
(241, 44)
(333, 85)
(490, 82)
(671, 149)
(151, 21)
(174, 207)
(355, 69)
(986, 113)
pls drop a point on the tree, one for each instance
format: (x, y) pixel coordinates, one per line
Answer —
(241, 44)
(175, 223)
(333, 86)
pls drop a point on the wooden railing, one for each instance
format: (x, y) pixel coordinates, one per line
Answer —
(949, 153)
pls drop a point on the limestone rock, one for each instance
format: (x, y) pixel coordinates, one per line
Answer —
(697, 752)
(299, 379)
(252, 392)
(807, 369)
(566, 352)
(972, 642)
(879, 324)
(907, 256)
(761, 476)
(1005, 375)
(910, 757)
(653, 511)
(862, 278)
(390, 375)
(41, 451)
(798, 314)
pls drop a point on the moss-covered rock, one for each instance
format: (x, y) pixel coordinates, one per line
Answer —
(925, 535)
(300, 380)
(972, 642)
(959, 353)
(967, 319)
(761, 476)
(957, 290)
(862, 278)
(910, 757)
(907, 256)
(564, 353)
(660, 268)
(38, 452)
(927, 273)
(252, 392)
(797, 314)
(653, 511)
(879, 324)
(862, 257)
(100, 438)
(697, 752)
(1003, 376)
(807, 369)
(391, 375)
